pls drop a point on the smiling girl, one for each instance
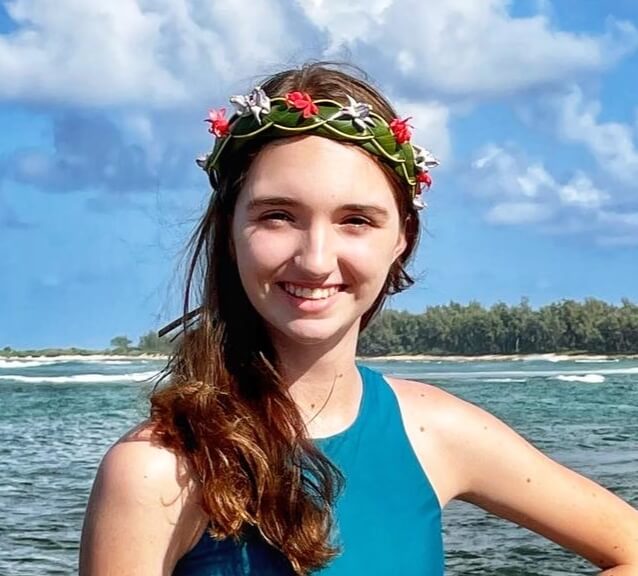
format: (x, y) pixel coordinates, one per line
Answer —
(269, 451)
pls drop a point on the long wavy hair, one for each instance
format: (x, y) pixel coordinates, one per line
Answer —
(221, 403)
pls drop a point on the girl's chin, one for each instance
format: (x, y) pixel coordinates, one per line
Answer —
(302, 333)
(316, 332)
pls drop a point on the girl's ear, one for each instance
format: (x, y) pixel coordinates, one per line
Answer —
(402, 243)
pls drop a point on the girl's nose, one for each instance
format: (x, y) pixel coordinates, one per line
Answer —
(316, 255)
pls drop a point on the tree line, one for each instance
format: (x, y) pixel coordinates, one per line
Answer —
(592, 326)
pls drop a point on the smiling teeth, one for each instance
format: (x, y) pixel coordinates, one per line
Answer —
(310, 293)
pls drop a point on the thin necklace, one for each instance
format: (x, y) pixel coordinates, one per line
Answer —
(325, 402)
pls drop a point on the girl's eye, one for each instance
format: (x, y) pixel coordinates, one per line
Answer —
(275, 216)
(358, 221)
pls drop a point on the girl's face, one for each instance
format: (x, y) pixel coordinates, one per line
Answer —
(315, 230)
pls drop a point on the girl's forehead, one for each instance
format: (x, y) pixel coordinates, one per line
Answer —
(312, 168)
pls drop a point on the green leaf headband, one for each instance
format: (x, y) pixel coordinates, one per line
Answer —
(258, 116)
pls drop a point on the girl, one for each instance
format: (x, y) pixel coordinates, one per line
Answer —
(269, 451)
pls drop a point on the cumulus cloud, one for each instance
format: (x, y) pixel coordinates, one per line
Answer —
(170, 52)
(612, 144)
(160, 53)
(518, 212)
(517, 192)
(431, 125)
(466, 49)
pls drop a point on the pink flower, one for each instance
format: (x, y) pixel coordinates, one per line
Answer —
(401, 129)
(424, 178)
(302, 101)
(219, 124)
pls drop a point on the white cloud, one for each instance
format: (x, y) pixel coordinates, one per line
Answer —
(346, 22)
(518, 213)
(518, 193)
(612, 144)
(167, 52)
(430, 122)
(502, 175)
(158, 53)
(465, 48)
(581, 192)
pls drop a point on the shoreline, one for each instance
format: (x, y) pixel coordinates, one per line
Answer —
(85, 357)
(547, 357)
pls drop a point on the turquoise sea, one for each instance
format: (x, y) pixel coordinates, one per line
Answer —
(57, 418)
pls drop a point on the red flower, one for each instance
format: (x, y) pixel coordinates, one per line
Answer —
(302, 101)
(218, 122)
(401, 129)
(424, 178)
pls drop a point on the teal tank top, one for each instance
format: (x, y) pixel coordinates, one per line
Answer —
(388, 518)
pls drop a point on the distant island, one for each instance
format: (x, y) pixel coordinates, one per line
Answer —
(566, 327)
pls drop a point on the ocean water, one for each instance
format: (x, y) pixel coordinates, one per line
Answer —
(57, 418)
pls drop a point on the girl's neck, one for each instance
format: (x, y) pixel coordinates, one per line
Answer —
(323, 381)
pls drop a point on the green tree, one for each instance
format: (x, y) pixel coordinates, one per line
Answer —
(151, 342)
(121, 343)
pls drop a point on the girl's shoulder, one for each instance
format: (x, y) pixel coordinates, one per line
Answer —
(144, 509)
(165, 476)
(429, 403)
(140, 456)
(441, 427)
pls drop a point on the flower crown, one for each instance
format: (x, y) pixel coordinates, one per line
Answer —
(257, 116)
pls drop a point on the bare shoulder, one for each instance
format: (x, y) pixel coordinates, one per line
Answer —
(440, 427)
(430, 416)
(459, 426)
(143, 513)
(141, 462)
(433, 407)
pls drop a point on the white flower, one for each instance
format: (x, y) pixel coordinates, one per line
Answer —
(418, 203)
(423, 159)
(358, 111)
(255, 103)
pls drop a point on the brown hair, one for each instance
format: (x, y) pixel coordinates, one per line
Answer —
(224, 407)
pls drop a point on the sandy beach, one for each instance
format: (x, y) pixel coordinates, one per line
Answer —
(550, 357)
(85, 358)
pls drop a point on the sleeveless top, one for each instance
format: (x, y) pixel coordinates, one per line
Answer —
(388, 518)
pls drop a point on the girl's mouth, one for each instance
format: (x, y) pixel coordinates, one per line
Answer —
(310, 293)
(306, 299)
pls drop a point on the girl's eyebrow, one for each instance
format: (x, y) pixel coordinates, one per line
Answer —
(266, 201)
(281, 201)
(369, 209)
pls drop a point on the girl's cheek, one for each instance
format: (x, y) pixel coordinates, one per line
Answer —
(367, 251)
(267, 249)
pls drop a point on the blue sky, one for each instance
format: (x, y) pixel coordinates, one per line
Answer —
(530, 105)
